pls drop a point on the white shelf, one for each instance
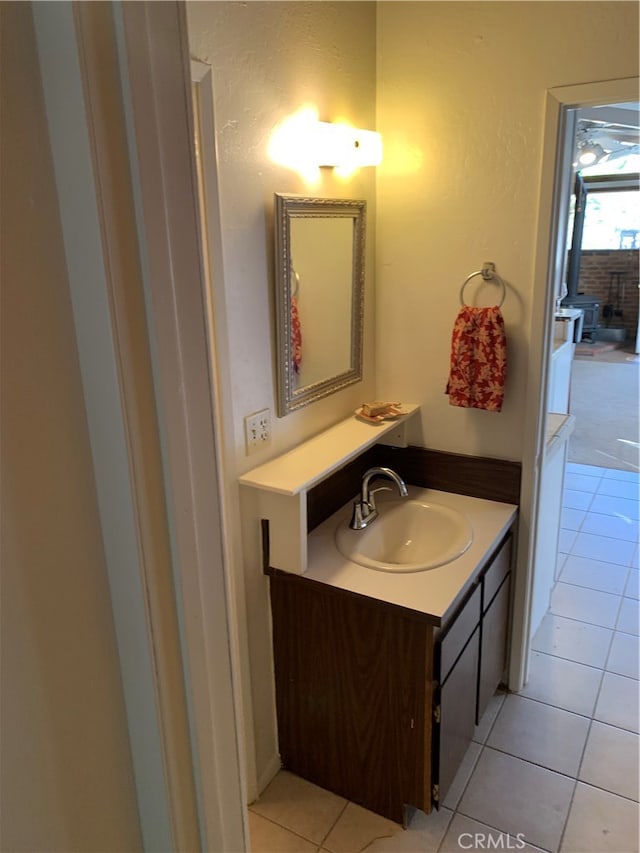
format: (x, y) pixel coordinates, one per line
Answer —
(313, 460)
(281, 485)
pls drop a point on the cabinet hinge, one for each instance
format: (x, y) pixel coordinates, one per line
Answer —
(435, 793)
(436, 713)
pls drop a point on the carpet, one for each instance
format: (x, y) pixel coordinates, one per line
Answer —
(605, 399)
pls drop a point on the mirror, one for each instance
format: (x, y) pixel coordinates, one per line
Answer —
(319, 297)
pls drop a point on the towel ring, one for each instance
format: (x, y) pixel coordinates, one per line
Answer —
(488, 273)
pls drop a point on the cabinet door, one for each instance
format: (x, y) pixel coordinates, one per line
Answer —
(493, 650)
(353, 695)
(455, 718)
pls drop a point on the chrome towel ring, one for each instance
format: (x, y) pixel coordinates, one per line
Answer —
(488, 273)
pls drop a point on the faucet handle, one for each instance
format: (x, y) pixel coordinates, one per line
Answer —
(363, 513)
(372, 492)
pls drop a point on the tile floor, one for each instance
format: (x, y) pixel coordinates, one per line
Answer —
(553, 768)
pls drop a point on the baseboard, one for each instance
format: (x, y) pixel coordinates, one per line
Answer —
(268, 773)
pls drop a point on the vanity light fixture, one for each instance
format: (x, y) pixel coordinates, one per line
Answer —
(305, 144)
(345, 147)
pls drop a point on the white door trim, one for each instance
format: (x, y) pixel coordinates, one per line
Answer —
(555, 188)
(215, 299)
(157, 86)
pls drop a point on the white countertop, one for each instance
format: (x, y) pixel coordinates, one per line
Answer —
(558, 429)
(568, 313)
(433, 592)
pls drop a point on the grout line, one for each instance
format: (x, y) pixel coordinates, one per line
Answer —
(535, 763)
(447, 828)
(583, 621)
(570, 553)
(502, 832)
(286, 828)
(332, 827)
(593, 589)
(606, 790)
(569, 660)
(558, 707)
(566, 819)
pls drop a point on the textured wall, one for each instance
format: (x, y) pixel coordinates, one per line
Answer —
(268, 60)
(460, 102)
(461, 98)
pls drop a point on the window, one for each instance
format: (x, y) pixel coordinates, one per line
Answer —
(611, 219)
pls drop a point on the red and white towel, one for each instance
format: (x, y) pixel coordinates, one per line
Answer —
(296, 336)
(478, 359)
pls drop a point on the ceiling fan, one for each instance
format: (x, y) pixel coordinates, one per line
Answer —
(597, 140)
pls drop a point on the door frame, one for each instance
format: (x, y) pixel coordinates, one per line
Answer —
(117, 93)
(555, 189)
(157, 77)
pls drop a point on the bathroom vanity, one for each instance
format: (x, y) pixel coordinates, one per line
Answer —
(381, 676)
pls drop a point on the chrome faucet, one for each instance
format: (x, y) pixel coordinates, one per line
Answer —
(364, 510)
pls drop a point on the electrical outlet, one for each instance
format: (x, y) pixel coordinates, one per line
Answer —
(257, 431)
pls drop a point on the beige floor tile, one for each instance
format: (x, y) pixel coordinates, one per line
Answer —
(467, 834)
(586, 605)
(541, 734)
(594, 574)
(462, 776)
(566, 539)
(268, 837)
(600, 822)
(571, 519)
(628, 618)
(356, 828)
(618, 702)
(600, 522)
(572, 640)
(611, 760)
(632, 589)
(619, 551)
(483, 728)
(560, 561)
(423, 835)
(299, 806)
(624, 655)
(517, 797)
(562, 683)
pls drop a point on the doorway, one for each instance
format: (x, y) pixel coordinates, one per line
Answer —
(562, 106)
(602, 282)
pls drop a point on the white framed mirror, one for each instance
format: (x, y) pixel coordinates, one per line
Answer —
(319, 297)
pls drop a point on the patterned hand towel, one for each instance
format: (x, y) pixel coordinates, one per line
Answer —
(478, 359)
(296, 335)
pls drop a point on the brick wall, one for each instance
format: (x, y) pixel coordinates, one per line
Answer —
(595, 279)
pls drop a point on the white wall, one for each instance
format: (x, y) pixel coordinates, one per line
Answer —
(268, 60)
(460, 102)
(461, 95)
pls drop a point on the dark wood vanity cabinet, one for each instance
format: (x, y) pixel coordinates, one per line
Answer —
(469, 663)
(376, 703)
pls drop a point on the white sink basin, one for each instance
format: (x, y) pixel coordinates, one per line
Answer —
(409, 535)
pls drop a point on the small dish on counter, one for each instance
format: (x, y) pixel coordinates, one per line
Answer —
(392, 414)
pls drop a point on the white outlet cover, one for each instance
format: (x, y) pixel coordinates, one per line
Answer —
(257, 431)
